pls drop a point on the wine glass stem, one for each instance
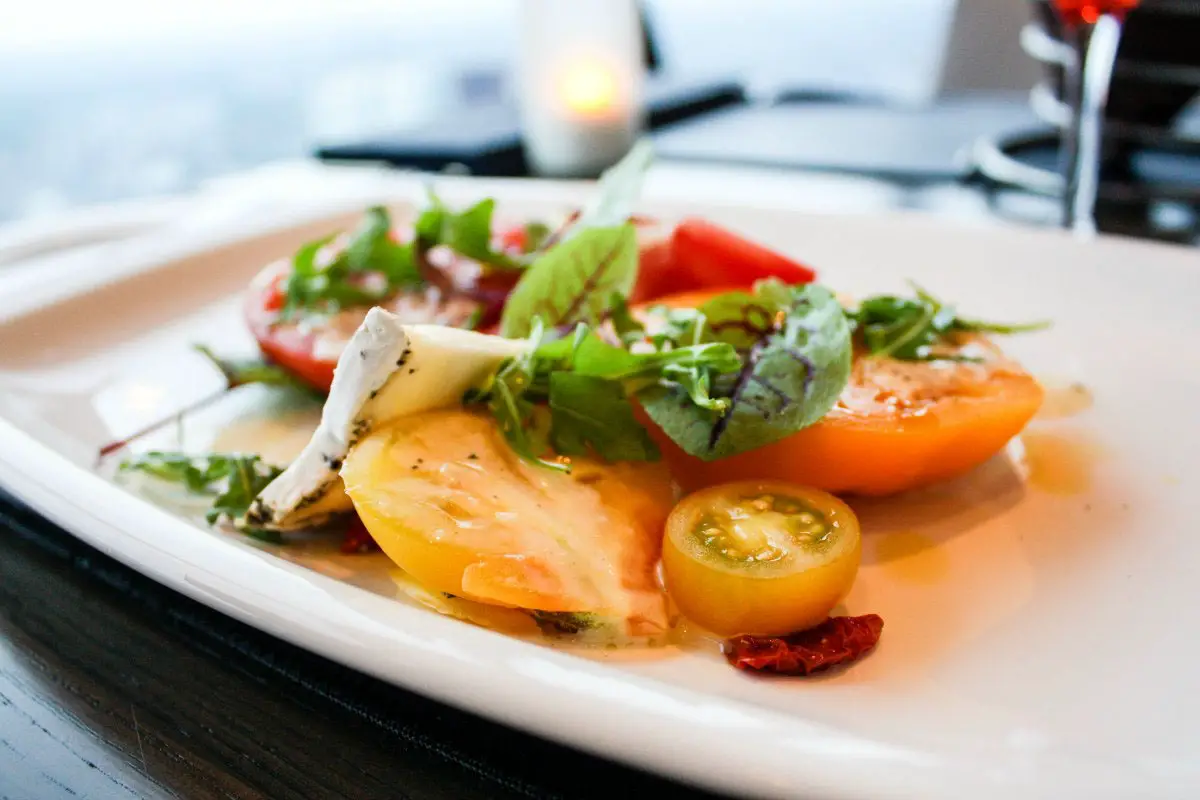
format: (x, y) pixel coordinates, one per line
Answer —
(1088, 82)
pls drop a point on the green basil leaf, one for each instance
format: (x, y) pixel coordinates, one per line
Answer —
(573, 281)
(795, 352)
(593, 415)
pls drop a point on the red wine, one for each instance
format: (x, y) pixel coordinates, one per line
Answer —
(1075, 12)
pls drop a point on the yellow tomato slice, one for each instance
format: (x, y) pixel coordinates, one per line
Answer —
(760, 557)
(449, 502)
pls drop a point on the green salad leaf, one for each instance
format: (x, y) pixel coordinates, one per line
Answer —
(240, 372)
(617, 190)
(574, 281)
(566, 622)
(910, 328)
(510, 397)
(583, 271)
(794, 348)
(345, 280)
(593, 415)
(468, 233)
(233, 480)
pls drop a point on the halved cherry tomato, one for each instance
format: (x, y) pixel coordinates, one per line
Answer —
(899, 425)
(760, 557)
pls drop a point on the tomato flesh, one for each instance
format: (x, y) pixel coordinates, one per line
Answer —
(760, 557)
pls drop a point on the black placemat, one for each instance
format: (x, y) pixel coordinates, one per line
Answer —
(503, 762)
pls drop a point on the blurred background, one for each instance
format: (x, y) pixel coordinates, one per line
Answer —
(124, 99)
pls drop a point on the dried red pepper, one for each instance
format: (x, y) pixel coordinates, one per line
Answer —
(357, 539)
(837, 640)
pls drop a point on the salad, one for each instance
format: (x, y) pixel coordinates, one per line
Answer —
(595, 431)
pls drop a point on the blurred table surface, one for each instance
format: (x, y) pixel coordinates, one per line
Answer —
(111, 686)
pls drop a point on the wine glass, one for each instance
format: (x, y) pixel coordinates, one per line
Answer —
(1092, 28)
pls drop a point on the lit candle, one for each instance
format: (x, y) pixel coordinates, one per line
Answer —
(580, 84)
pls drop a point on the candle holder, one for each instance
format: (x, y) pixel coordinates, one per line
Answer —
(580, 84)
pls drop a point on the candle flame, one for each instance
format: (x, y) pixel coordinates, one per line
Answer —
(589, 88)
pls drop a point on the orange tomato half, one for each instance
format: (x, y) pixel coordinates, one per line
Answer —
(899, 425)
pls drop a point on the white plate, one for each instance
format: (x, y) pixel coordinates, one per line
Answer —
(1037, 641)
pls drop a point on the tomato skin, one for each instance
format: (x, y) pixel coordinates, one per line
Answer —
(762, 599)
(713, 257)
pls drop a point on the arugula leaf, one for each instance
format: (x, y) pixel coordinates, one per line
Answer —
(586, 384)
(1000, 328)
(248, 476)
(590, 414)
(908, 329)
(628, 328)
(515, 414)
(574, 281)
(232, 480)
(468, 233)
(341, 283)
(594, 357)
(239, 372)
(794, 344)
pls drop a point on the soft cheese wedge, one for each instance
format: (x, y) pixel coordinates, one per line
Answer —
(457, 509)
(388, 370)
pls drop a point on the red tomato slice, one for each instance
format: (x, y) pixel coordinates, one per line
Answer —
(714, 257)
(287, 345)
(659, 274)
